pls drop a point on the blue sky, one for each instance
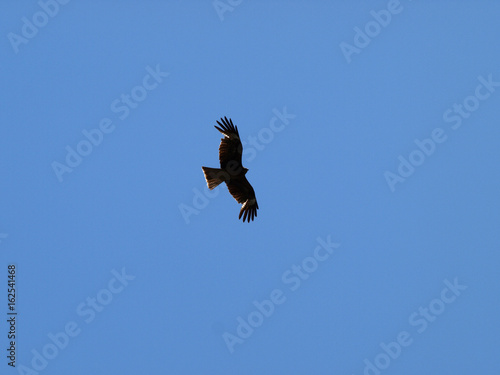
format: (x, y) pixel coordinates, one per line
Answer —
(371, 137)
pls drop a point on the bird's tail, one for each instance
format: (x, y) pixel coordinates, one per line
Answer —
(214, 176)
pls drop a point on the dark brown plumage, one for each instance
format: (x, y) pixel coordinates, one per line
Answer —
(231, 171)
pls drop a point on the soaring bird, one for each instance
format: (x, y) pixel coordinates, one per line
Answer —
(231, 171)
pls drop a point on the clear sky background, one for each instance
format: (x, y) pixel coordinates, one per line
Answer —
(371, 135)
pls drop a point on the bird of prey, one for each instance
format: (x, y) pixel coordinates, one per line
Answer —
(231, 171)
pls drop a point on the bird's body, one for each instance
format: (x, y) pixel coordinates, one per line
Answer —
(231, 170)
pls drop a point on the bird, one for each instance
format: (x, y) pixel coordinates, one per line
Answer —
(231, 170)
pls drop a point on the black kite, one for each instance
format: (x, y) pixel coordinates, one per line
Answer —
(231, 171)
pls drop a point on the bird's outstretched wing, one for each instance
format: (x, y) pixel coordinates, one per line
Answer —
(230, 149)
(243, 192)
